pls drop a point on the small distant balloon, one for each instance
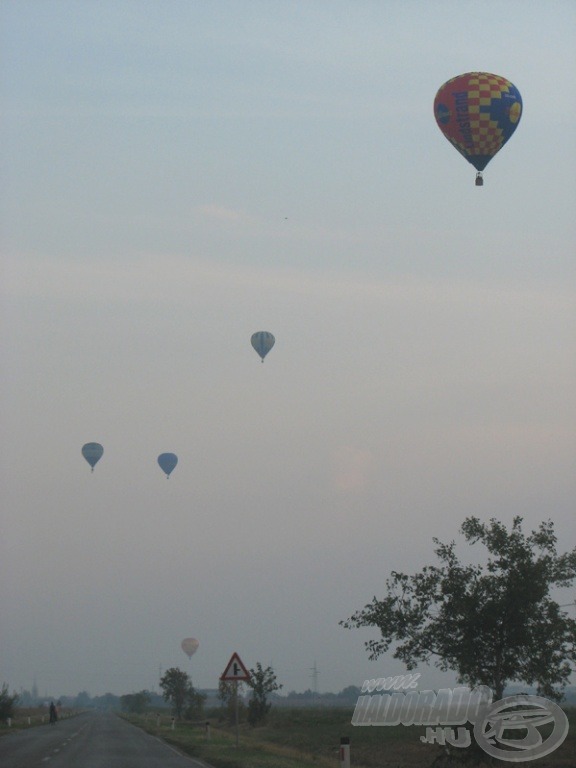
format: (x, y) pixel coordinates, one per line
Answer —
(262, 341)
(190, 646)
(92, 452)
(167, 462)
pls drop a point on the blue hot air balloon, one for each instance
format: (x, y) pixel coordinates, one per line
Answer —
(262, 341)
(167, 462)
(92, 452)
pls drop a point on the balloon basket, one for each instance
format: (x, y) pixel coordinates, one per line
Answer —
(479, 180)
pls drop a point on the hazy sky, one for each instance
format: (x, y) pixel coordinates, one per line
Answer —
(177, 174)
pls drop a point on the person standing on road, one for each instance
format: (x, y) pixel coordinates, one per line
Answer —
(53, 713)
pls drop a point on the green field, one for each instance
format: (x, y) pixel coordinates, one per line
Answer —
(310, 738)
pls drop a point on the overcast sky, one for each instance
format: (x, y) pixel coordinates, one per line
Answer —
(179, 174)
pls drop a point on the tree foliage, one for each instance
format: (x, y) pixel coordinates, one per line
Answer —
(263, 682)
(7, 702)
(176, 687)
(195, 702)
(178, 690)
(227, 693)
(83, 700)
(493, 623)
(135, 702)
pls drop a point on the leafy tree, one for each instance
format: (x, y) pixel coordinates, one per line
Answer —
(263, 682)
(226, 696)
(195, 709)
(180, 692)
(135, 702)
(107, 702)
(83, 700)
(492, 623)
(26, 699)
(7, 702)
(176, 686)
(226, 693)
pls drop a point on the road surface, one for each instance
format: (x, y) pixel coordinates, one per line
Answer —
(91, 740)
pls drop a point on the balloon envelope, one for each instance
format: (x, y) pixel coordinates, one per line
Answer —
(478, 112)
(190, 646)
(262, 341)
(92, 452)
(167, 462)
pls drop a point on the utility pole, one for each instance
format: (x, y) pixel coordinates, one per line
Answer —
(315, 672)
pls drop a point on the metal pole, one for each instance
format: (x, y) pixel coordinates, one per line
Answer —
(236, 710)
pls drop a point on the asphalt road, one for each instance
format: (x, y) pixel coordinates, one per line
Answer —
(91, 740)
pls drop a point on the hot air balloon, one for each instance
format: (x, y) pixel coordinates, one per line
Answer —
(262, 341)
(478, 113)
(92, 452)
(167, 462)
(190, 646)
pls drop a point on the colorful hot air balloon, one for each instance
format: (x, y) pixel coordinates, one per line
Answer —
(262, 341)
(167, 462)
(478, 112)
(92, 452)
(190, 646)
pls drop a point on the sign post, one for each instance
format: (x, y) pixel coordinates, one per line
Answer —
(235, 672)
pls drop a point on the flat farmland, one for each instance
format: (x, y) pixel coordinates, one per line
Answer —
(307, 737)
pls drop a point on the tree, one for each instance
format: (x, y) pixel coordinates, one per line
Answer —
(176, 686)
(195, 709)
(230, 694)
(83, 700)
(492, 624)
(135, 702)
(180, 692)
(108, 702)
(26, 699)
(7, 702)
(262, 682)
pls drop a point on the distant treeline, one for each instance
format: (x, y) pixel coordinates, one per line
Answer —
(154, 701)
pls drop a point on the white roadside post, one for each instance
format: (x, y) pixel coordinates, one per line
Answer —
(345, 752)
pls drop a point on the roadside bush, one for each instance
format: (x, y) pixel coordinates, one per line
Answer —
(7, 702)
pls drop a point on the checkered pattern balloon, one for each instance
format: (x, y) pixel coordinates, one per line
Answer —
(478, 113)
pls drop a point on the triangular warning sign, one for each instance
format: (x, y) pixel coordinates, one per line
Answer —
(235, 670)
